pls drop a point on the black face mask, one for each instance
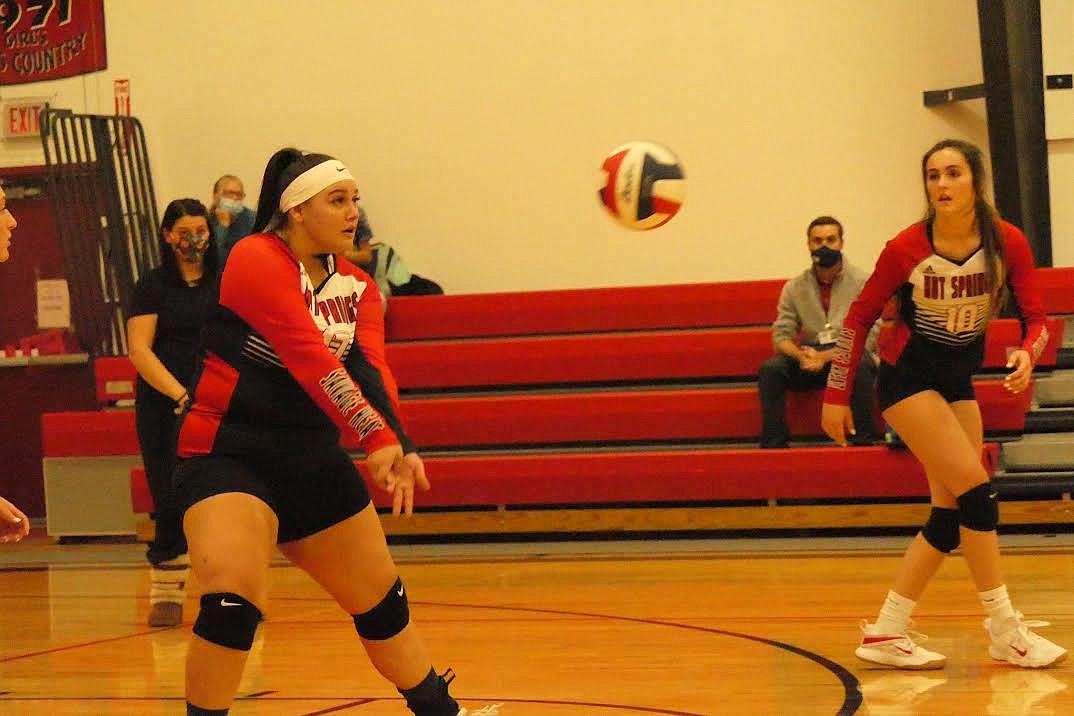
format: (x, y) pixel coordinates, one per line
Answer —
(826, 257)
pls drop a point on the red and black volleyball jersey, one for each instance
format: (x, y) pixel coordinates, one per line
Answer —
(282, 357)
(942, 305)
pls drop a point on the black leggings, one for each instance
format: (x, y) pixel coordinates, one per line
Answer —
(156, 420)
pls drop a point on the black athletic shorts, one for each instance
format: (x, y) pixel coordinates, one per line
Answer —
(308, 490)
(921, 367)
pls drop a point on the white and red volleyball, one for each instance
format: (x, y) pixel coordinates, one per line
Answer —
(643, 185)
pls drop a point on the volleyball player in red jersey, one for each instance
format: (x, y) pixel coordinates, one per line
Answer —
(14, 525)
(293, 357)
(942, 280)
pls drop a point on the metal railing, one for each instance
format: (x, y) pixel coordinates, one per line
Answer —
(102, 194)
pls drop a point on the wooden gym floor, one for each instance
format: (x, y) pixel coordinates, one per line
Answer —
(557, 629)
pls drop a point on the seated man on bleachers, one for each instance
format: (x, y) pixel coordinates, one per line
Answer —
(812, 308)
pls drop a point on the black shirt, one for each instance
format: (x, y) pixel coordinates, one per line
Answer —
(180, 311)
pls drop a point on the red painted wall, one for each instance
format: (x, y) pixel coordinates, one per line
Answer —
(26, 392)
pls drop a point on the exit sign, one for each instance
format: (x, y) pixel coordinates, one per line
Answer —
(21, 118)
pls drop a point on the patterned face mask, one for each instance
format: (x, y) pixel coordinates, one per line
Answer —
(192, 247)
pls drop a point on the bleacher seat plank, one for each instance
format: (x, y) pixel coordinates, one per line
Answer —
(550, 419)
(667, 476)
(115, 378)
(1057, 289)
(89, 434)
(638, 357)
(629, 520)
(701, 518)
(642, 415)
(583, 417)
(628, 308)
(674, 475)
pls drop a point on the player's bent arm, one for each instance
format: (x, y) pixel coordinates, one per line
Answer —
(262, 288)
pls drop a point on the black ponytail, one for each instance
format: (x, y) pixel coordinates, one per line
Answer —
(282, 169)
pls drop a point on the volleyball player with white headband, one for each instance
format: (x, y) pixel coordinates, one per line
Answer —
(294, 358)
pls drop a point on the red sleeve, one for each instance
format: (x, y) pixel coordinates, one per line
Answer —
(263, 289)
(369, 331)
(1022, 279)
(892, 269)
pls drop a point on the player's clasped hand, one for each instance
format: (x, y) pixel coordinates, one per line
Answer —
(398, 474)
(1018, 380)
(837, 421)
(14, 525)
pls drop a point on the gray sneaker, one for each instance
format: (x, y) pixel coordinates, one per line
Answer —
(166, 614)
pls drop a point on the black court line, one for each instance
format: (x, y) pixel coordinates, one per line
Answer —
(342, 707)
(95, 642)
(352, 702)
(546, 702)
(852, 696)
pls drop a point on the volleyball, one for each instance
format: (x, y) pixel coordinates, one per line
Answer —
(643, 185)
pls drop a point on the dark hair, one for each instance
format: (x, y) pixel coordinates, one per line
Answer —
(985, 214)
(283, 168)
(825, 221)
(364, 232)
(176, 210)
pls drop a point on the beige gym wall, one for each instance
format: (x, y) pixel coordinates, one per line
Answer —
(477, 127)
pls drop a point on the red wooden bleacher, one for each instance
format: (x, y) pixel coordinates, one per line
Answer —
(599, 445)
(611, 417)
(584, 417)
(1057, 289)
(115, 379)
(633, 308)
(587, 310)
(636, 357)
(612, 357)
(654, 476)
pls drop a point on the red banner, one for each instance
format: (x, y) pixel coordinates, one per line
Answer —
(50, 39)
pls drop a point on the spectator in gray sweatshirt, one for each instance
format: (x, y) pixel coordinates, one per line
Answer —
(812, 308)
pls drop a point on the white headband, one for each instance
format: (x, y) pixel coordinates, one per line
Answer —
(312, 181)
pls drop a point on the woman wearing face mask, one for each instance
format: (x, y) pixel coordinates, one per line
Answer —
(942, 280)
(162, 336)
(229, 218)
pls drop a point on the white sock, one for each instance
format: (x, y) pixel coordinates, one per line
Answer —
(895, 614)
(169, 580)
(998, 605)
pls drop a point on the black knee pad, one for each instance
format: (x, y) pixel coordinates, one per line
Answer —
(941, 530)
(386, 619)
(978, 509)
(228, 620)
